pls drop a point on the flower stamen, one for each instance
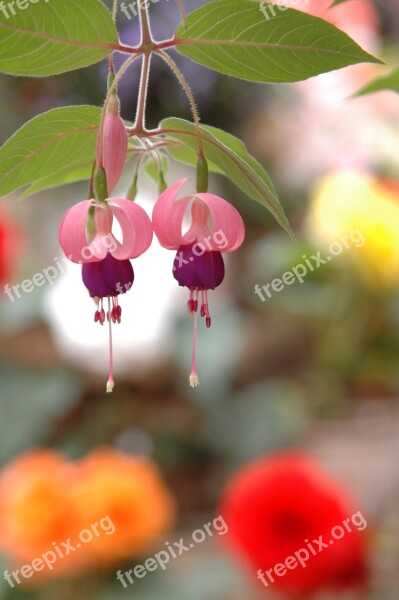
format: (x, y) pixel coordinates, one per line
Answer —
(110, 382)
(194, 380)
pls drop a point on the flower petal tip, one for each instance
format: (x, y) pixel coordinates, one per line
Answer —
(110, 387)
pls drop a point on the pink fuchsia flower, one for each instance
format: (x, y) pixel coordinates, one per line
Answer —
(86, 237)
(112, 144)
(216, 227)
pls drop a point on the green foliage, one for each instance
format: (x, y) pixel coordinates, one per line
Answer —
(336, 2)
(55, 37)
(231, 158)
(386, 82)
(232, 37)
(51, 143)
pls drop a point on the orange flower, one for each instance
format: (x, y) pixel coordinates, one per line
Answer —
(130, 492)
(36, 509)
(69, 518)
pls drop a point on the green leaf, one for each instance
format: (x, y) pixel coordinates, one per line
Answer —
(52, 37)
(52, 142)
(58, 178)
(228, 155)
(234, 38)
(386, 82)
(336, 2)
(152, 165)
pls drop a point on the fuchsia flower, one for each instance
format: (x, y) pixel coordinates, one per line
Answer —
(112, 144)
(215, 225)
(85, 235)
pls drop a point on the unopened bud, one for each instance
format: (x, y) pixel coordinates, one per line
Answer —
(91, 229)
(202, 175)
(112, 144)
(100, 185)
(111, 79)
(132, 191)
(162, 185)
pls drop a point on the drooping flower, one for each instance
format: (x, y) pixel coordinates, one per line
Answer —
(216, 227)
(112, 144)
(86, 237)
(285, 504)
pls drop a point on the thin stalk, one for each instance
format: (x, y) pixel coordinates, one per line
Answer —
(91, 186)
(110, 382)
(146, 37)
(139, 124)
(115, 10)
(182, 10)
(173, 66)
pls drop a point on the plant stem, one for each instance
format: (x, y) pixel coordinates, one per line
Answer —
(91, 186)
(115, 10)
(182, 10)
(146, 37)
(147, 45)
(139, 125)
(190, 97)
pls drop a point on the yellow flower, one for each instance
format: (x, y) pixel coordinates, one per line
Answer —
(352, 201)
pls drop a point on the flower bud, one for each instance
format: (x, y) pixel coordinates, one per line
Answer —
(162, 185)
(202, 175)
(112, 144)
(101, 185)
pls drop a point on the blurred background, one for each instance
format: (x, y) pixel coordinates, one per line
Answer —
(311, 369)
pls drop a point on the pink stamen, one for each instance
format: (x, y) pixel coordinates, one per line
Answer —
(194, 381)
(203, 303)
(101, 317)
(191, 302)
(110, 382)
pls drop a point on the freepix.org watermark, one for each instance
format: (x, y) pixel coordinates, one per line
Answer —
(130, 9)
(199, 248)
(59, 551)
(51, 273)
(269, 10)
(10, 9)
(312, 549)
(311, 263)
(173, 551)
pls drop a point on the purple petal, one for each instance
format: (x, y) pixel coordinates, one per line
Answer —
(119, 274)
(205, 271)
(108, 277)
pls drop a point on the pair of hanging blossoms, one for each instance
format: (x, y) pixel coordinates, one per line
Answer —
(228, 36)
(86, 236)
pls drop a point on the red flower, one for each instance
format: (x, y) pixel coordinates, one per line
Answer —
(276, 506)
(10, 247)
